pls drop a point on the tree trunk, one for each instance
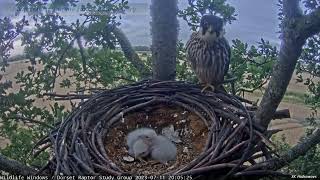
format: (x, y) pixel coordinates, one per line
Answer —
(296, 28)
(282, 72)
(164, 30)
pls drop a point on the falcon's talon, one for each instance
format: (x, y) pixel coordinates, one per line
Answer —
(208, 86)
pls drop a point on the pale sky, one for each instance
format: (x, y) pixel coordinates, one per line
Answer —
(256, 19)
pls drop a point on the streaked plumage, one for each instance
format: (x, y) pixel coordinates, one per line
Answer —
(209, 52)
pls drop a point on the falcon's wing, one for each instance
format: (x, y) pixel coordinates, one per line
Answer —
(191, 49)
(227, 55)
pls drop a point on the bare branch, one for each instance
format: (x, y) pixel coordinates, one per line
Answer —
(14, 167)
(129, 52)
(67, 96)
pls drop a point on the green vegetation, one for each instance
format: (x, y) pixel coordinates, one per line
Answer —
(87, 49)
(309, 163)
(295, 97)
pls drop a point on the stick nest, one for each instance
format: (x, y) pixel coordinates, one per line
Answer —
(217, 133)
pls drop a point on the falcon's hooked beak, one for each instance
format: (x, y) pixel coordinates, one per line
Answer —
(210, 30)
(210, 34)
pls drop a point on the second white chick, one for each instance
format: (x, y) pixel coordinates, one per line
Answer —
(162, 149)
(139, 134)
(141, 148)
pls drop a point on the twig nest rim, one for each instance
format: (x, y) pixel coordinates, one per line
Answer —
(78, 141)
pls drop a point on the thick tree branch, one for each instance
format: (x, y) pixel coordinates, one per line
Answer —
(129, 52)
(291, 9)
(281, 114)
(15, 167)
(309, 25)
(290, 51)
(299, 150)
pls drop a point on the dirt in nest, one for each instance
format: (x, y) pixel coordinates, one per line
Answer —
(192, 131)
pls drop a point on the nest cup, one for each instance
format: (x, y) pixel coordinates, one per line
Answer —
(232, 145)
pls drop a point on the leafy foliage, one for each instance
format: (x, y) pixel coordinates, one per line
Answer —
(8, 33)
(307, 164)
(310, 63)
(311, 5)
(83, 49)
(84, 54)
(196, 8)
(252, 66)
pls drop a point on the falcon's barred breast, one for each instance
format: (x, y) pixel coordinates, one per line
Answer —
(209, 58)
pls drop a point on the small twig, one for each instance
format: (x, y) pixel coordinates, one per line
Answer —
(67, 96)
(255, 88)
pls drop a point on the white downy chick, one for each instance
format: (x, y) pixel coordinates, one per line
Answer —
(142, 147)
(163, 150)
(141, 134)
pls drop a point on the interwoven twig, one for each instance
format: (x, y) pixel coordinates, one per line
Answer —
(235, 143)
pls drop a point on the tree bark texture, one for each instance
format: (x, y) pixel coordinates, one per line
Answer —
(14, 167)
(164, 31)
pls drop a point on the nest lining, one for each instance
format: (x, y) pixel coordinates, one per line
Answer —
(192, 132)
(233, 146)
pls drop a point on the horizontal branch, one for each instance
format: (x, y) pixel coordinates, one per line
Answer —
(15, 167)
(281, 114)
(68, 96)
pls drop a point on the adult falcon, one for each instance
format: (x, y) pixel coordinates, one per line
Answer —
(209, 52)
